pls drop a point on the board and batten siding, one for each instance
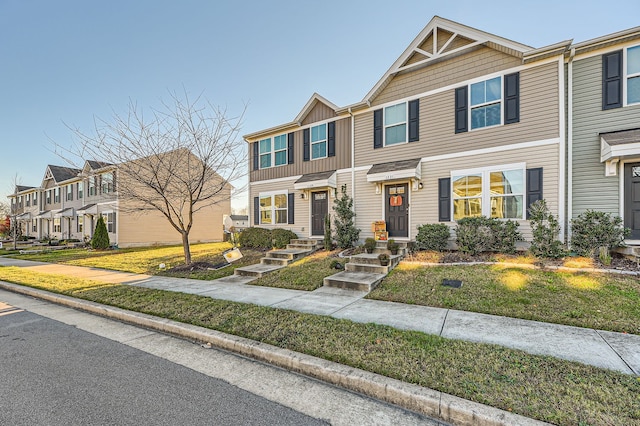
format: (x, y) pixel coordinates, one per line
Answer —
(539, 120)
(479, 62)
(423, 203)
(319, 112)
(591, 188)
(341, 160)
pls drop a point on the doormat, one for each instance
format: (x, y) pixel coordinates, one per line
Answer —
(452, 283)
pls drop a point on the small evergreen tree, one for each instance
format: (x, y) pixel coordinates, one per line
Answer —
(346, 233)
(100, 240)
(328, 241)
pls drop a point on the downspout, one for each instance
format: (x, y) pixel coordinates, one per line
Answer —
(563, 153)
(570, 143)
(353, 160)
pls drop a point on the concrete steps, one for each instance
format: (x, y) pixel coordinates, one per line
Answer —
(364, 271)
(277, 259)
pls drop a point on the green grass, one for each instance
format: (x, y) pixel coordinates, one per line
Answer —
(304, 274)
(545, 388)
(601, 301)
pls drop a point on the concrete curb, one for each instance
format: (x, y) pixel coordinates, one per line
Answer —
(423, 400)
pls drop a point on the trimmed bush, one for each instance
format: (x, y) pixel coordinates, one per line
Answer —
(433, 236)
(477, 234)
(545, 229)
(592, 230)
(281, 237)
(100, 240)
(259, 238)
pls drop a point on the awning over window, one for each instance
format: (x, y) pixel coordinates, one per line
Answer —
(45, 215)
(394, 170)
(316, 180)
(618, 145)
(90, 209)
(24, 216)
(68, 212)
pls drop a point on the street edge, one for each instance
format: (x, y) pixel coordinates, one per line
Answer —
(416, 398)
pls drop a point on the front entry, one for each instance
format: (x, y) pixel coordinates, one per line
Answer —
(632, 199)
(319, 209)
(396, 213)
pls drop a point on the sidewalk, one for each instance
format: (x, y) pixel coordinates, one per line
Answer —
(614, 351)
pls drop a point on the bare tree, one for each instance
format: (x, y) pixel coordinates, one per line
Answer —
(177, 160)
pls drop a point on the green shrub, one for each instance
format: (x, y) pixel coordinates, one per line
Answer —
(346, 233)
(392, 246)
(592, 230)
(281, 237)
(100, 240)
(370, 244)
(328, 241)
(545, 230)
(433, 236)
(477, 234)
(259, 238)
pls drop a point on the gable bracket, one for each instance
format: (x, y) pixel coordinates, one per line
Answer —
(438, 55)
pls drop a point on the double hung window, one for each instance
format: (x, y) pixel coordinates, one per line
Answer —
(273, 209)
(486, 101)
(633, 75)
(319, 141)
(395, 124)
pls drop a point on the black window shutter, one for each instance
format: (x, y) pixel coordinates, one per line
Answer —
(534, 187)
(512, 98)
(414, 120)
(290, 205)
(331, 139)
(612, 80)
(256, 156)
(462, 112)
(444, 200)
(256, 210)
(290, 142)
(377, 128)
(306, 138)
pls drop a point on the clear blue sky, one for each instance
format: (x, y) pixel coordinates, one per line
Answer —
(66, 61)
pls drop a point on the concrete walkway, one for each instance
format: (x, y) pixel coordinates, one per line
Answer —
(614, 351)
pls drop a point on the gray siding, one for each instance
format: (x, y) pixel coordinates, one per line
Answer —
(591, 188)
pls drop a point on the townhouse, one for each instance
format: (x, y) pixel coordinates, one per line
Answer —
(69, 202)
(464, 123)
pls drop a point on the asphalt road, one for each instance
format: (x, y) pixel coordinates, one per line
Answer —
(59, 366)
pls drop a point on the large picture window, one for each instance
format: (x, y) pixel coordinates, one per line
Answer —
(273, 209)
(486, 100)
(319, 141)
(395, 124)
(493, 192)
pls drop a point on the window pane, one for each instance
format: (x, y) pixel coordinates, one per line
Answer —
(395, 134)
(493, 115)
(633, 60)
(493, 90)
(633, 90)
(319, 150)
(477, 93)
(265, 216)
(468, 207)
(319, 133)
(509, 182)
(395, 114)
(265, 145)
(265, 161)
(477, 118)
(281, 158)
(281, 201)
(265, 202)
(280, 142)
(467, 186)
(281, 216)
(510, 207)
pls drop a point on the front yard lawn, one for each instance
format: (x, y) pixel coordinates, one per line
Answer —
(584, 299)
(545, 388)
(304, 274)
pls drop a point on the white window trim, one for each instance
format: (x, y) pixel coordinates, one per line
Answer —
(105, 216)
(472, 107)
(325, 140)
(273, 209)
(405, 122)
(486, 186)
(626, 77)
(272, 152)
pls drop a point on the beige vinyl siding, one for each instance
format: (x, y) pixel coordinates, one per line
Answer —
(341, 160)
(423, 203)
(319, 112)
(301, 209)
(479, 62)
(539, 120)
(591, 188)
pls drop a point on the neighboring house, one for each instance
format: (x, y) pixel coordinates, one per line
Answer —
(464, 123)
(604, 128)
(297, 167)
(69, 202)
(237, 222)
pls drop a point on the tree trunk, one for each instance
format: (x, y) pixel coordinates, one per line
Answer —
(187, 249)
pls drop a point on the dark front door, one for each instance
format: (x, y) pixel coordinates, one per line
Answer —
(397, 215)
(319, 209)
(632, 199)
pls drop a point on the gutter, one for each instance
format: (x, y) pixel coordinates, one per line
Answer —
(570, 143)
